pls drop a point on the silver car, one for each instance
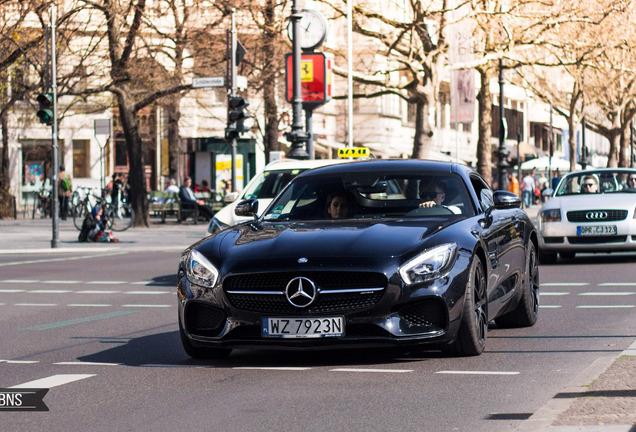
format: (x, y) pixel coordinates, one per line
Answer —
(590, 211)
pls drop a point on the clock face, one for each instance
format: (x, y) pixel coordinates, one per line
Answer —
(312, 29)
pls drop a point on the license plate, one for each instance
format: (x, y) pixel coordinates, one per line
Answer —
(303, 327)
(596, 230)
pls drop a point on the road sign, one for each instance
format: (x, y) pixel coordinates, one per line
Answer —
(354, 152)
(208, 82)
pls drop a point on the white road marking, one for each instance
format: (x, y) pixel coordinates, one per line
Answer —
(616, 293)
(106, 282)
(545, 284)
(459, 372)
(617, 284)
(272, 368)
(141, 282)
(19, 281)
(605, 307)
(20, 361)
(371, 370)
(49, 291)
(89, 305)
(8, 291)
(53, 381)
(74, 363)
(36, 304)
(554, 293)
(146, 306)
(148, 292)
(98, 292)
(550, 306)
(69, 282)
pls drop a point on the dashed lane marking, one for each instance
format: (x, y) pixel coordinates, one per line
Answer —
(554, 293)
(550, 306)
(546, 284)
(36, 304)
(146, 306)
(148, 292)
(98, 292)
(18, 281)
(617, 284)
(605, 307)
(20, 361)
(49, 291)
(371, 370)
(80, 363)
(469, 372)
(108, 282)
(272, 368)
(53, 381)
(89, 305)
(81, 320)
(608, 294)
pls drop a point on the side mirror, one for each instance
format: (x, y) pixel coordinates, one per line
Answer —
(247, 208)
(502, 200)
(230, 197)
(506, 200)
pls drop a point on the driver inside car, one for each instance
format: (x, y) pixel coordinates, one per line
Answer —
(433, 194)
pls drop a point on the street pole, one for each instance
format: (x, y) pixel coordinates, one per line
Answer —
(297, 135)
(550, 143)
(631, 143)
(55, 242)
(503, 154)
(233, 91)
(584, 155)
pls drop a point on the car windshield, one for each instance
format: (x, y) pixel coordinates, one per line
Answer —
(362, 195)
(600, 181)
(269, 183)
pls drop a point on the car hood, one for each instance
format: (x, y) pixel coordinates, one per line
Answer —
(592, 201)
(276, 241)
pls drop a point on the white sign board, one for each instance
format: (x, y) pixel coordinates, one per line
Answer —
(208, 82)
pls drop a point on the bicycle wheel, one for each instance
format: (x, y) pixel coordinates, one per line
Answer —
(79, 213)
(121, 217)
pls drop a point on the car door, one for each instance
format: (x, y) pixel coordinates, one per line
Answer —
(503, 237)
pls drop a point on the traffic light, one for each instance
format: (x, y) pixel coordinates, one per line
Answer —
(45, 113)
(236, 117)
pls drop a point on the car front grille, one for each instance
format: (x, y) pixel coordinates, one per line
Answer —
(427, 315)
(339, 292)
(203, 319)
(597, 239)
(592, 216)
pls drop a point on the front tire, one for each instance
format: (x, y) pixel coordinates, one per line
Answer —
(199, 352)
(527, 311)
(473, 330)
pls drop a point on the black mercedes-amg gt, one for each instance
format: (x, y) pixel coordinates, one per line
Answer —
(364, 254)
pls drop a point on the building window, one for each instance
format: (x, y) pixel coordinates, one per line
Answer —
(81, 158)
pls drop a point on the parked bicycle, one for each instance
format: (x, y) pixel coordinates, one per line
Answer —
(120, 215)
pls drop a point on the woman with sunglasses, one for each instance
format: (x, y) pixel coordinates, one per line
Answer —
(590, 184)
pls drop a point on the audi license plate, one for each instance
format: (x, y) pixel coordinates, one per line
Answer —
(303, 327)
(596, 230)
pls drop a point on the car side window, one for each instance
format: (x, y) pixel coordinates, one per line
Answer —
(483, 191)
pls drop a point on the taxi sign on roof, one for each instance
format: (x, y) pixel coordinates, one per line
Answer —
(354, 152)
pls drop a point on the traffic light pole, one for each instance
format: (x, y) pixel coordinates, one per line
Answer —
(233, 90)
(55, 242)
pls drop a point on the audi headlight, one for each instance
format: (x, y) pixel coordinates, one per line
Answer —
(551, 215)
(430, 264)
(200, 271)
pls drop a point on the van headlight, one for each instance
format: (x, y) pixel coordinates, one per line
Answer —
(200, 271)
(430, 264)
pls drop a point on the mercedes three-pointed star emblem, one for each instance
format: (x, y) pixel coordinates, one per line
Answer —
(301, 292)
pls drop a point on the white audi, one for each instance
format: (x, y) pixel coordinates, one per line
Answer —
(590, 211)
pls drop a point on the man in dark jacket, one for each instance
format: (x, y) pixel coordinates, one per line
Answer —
(188, 200)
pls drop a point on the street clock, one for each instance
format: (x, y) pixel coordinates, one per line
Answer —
(312, 28)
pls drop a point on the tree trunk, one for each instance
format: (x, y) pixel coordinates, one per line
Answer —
(5, 178)
(484, 98)
(420, 140)
(173, 114)
(572, 141)
(136, 157)
(270, 54)
(623, 155)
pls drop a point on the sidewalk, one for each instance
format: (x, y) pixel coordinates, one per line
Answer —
(21, 236)
(601, 399)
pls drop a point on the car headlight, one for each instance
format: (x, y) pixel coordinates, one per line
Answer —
(216, 226)
(200, 271)
(551, 215)
(430, 264)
